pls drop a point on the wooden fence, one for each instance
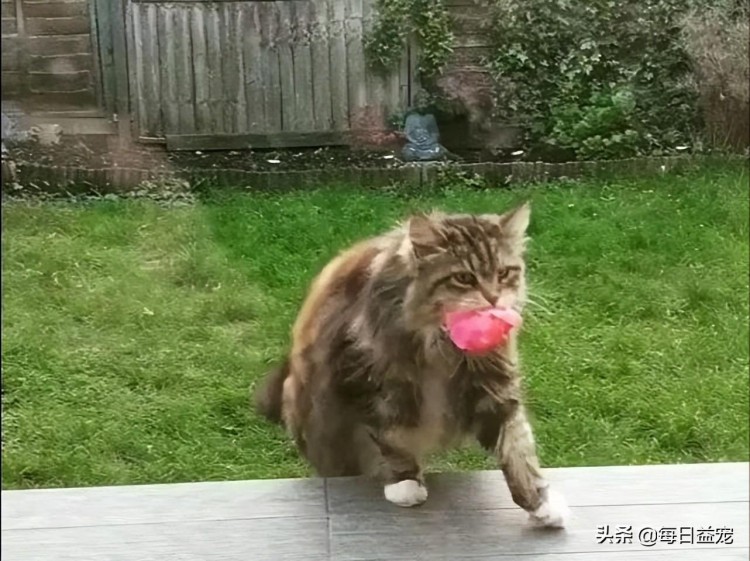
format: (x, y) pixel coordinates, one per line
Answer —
(259, 73)
(233, 74)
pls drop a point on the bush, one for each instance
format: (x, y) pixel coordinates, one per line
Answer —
(716, 39)
(426, 20)
(602, 127)
(593, 79)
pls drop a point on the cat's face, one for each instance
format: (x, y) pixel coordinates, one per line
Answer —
(467, 262)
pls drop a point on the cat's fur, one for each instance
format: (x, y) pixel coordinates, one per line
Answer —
(372, 384)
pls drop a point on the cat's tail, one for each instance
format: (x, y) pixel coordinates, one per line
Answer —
(268, 395)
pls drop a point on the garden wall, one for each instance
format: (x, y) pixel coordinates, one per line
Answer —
(31, 179)
(47, 55)
(466, 84)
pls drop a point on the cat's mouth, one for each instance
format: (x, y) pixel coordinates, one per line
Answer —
(479, 331)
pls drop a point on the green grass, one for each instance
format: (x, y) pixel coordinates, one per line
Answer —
(132, 332)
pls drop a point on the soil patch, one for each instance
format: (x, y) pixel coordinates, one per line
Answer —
(100, 153)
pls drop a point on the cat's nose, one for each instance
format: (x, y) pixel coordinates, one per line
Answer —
(490, 295)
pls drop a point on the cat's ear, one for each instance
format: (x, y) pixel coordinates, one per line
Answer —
(514, 223)
(424, 235)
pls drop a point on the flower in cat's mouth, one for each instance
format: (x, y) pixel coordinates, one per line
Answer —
(480, 331)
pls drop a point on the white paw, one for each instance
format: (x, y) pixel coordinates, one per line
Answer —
(552, 513)
(406, 493)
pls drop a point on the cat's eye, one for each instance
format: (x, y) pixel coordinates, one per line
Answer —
(464, 279)
(504, 273)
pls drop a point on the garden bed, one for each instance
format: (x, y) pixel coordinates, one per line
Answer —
(77, 152)
(82, 168)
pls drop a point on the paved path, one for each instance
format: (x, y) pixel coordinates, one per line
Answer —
(468, 516)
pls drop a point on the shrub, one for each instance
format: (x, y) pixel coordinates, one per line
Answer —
(716, 39)
(593, 79)
(601, 127)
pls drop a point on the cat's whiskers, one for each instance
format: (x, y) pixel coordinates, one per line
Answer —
(456, 369)
(539, 297)
(536, 306)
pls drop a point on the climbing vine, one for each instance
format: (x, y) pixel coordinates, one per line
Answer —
(598, 79)
(585, 80)
(426, 20)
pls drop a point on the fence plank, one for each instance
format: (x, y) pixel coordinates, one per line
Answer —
(103, 14)
(151, 55)
(146, 44)
(401, 85)
(377, 82)
(238, 24)
(414, 82)
(200, 70)
(230, 69)
(339, 71)
(132, 68)
(136, 69)
(321, 67)
(355, 61)
(269, 24)
(215, 75)
(184, 68)
(253, 71)
(286, 68)
(301, 18)
(167, 65)
(120, 55)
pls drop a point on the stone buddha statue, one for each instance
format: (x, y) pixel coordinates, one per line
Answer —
(422, 138)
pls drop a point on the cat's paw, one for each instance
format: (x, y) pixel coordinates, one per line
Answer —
(408, 492)
(552, 513)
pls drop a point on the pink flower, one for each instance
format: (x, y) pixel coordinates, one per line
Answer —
(480, 331)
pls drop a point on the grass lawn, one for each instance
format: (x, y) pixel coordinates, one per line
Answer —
(132, 332)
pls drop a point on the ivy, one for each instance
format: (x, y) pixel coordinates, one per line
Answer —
(426, 20)
(601, 78)
(587, 80)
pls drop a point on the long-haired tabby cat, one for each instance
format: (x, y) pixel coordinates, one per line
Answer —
(372, 384)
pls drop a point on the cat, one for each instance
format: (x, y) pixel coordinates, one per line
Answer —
(372, 384)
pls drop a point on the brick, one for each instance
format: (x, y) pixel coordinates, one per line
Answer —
(11, 63)
(76, 25)
(470, 40)
(60, 64)
(12, 83)
(468, 21)
(51, 46)
(65, 101)
(8, 10)
(8, 26)
(11, 54)
(468, 56)
(55, 9)
(40, 82)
